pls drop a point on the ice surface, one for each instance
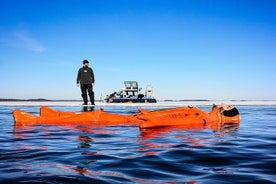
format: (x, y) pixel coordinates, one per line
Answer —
(158, 104)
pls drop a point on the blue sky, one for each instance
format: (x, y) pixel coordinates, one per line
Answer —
(186, 49)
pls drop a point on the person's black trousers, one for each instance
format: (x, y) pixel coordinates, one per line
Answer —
(84, 89)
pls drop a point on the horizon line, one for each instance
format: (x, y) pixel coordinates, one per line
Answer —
(99, 100)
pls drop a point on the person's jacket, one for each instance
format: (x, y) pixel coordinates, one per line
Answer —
(85, 76)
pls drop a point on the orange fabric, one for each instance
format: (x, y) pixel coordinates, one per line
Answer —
(50, 116)
(189, 117)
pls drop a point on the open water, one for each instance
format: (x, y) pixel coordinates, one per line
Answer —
(85, 154)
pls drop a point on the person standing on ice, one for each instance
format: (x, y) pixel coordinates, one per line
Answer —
(86, 81)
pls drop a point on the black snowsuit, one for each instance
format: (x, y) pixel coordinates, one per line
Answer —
(86, 78)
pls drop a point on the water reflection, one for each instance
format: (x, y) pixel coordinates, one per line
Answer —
(160, 131)
(20, 132)
(106, 147)
(154, 139)
(85, 141)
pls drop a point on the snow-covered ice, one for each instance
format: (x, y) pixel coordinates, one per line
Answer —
(158, 104)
